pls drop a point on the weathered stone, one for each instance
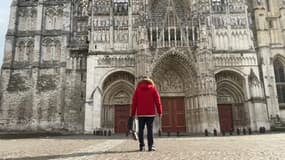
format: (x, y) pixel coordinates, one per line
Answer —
(17, 83)
(46, 83)
(71, 65)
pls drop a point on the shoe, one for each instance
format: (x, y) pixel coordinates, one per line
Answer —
(151, 149)
(142, 149)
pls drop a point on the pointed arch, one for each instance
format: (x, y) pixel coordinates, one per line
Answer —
(176, 69)
(111, 92)
(279, 71)
(233, 112)
(117, 87)
(185, 59)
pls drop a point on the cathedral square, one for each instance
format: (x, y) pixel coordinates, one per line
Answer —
(73, 65)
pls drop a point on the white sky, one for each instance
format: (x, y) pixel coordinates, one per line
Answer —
(4, 19)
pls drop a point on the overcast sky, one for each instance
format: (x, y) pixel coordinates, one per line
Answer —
(4, 19)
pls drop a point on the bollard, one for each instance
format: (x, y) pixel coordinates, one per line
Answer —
(159, 133)
(178, 134)
(206, 133)
(238, 131)
(168, 134)
(215, 132)
(249, 131)
(260, 129)
(263, 130)
(244, 131)
(109, 133)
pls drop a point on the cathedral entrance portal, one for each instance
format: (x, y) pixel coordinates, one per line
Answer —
(173, 76)
(118, 89)
(233, 112)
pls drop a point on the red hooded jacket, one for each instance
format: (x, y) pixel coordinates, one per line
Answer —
(145, 99)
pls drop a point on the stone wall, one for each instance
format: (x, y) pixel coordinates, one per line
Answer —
(54, 102)
(38, 91)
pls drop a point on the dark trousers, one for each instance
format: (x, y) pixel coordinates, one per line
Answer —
(148, 121)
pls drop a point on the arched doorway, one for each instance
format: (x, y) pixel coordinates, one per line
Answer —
(231, 102)
(173, 78)
(279, 71)
(117, 90)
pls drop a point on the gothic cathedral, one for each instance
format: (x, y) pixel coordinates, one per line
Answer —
(73, 65)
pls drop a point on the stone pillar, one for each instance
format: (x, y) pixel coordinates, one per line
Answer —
(130, 26)
(94, 95)
(96, 109)
(264, 55)
(36, 62)
(207, 96)
(282, 21)
(143, 56)
(208, 110)
(259, 113)
(112, 36)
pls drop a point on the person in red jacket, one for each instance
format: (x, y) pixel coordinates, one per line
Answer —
(145, 99)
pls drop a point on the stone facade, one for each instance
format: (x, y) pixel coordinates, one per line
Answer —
(69, 64)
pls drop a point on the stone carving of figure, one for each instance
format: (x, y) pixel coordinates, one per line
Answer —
(85, 5)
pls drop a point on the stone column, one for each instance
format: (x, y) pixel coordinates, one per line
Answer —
(207, 97)
(264, 56)
(94, 95)
(130, 26)
(112, 36)
(282, 21)
(208, 110)
(259, 113)
(36, 62)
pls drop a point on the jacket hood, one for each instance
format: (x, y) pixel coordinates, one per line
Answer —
(147, 80)
(146, 84)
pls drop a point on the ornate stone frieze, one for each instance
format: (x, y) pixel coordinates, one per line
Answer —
(116, 61)
(170, 82)
(235, 60)
(121, 98)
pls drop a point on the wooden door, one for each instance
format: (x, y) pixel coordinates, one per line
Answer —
(122, 113)
(173, 119)
(226, 117)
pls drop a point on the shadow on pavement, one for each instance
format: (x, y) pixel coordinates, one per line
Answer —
(73, 155)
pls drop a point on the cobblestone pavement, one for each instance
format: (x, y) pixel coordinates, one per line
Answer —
(255, 147)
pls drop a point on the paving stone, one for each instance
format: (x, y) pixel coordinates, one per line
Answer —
(255, 147)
